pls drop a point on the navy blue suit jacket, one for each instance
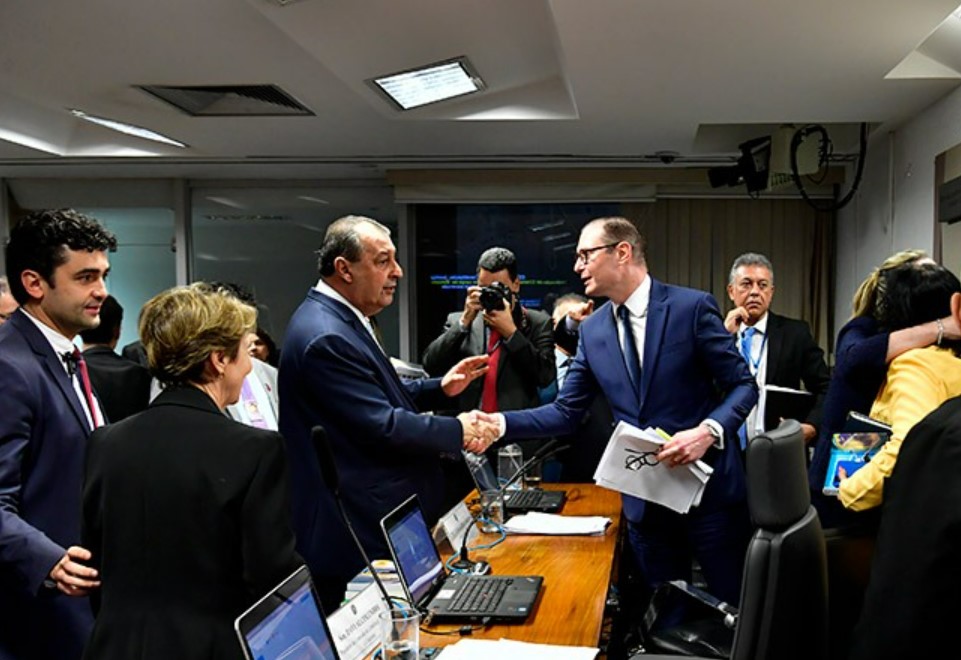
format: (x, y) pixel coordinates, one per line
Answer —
(333, 373)
(691, 371)
(43, 439)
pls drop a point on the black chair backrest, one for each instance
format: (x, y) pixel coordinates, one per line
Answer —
(783, 612)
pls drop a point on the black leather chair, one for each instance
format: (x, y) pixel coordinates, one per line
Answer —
(784, 593)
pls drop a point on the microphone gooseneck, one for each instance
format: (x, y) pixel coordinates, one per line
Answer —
(549, 449)
(328, 470)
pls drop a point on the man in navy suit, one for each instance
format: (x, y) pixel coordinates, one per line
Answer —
(779, 351)
(685, 377)
(56, 266)
(334, 373)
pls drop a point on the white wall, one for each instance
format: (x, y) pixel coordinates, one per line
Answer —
(894, 207)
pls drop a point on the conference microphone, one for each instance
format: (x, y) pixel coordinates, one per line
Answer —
(547, 450)
(328, 469)
(464, 562)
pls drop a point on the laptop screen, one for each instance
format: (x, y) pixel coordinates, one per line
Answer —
(481, 471)
(413, 548)
(286, 624)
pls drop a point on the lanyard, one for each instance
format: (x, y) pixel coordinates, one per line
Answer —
(752, 363)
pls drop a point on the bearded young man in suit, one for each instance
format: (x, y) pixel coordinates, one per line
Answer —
(334, 373)
(779, 350)
(685, 377)
(56, 266)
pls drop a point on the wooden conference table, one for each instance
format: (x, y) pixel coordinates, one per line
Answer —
(576, 570)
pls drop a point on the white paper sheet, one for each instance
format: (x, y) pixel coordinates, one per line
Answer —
(628, 466)
(535, 522)
(482, 649)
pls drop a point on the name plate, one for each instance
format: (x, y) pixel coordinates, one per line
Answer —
(453, 525)
(356, 626)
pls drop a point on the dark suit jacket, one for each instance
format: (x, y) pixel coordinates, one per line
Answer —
(122, 386)
(691, 371)
(43, 437)
(135, 352)
(794, 358)
(187, 515)
(526, 362)
(333, 374)
(911, 604)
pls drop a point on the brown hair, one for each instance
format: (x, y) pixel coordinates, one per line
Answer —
(621, 230)
(181, 327)
(872, 288)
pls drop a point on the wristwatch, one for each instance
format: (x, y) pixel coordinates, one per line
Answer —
(715, 431)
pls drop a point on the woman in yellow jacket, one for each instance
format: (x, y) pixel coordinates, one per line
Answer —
(917, 381)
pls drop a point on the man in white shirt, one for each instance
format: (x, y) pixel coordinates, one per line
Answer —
(334, 373)
(780, 351)
(56, 266)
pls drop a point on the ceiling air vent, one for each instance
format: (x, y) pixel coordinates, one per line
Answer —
(228, 100)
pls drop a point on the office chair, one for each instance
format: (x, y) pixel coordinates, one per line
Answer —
(783, 613)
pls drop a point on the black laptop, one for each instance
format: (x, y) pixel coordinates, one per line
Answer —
(458, 596)
(515, 501)
(286, 623)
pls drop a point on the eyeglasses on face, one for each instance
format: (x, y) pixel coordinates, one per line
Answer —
(584, 256)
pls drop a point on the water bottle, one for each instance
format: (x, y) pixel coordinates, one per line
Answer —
(509, 461)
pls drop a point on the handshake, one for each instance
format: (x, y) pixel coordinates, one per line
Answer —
(480, 430)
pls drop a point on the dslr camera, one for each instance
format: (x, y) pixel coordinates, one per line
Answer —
(492, 297)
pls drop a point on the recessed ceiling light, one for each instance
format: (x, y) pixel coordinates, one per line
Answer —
(429, 84)
(315, 200)
(128, 129)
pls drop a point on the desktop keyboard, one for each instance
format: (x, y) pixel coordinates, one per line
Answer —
(481, 595)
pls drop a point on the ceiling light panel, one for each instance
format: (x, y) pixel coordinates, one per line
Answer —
(429, 84)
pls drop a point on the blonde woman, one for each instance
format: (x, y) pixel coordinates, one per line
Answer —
(862, 353)
(917, 381)
(184, 510)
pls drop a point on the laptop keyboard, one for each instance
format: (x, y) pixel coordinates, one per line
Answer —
(525, 498)
(481, 595)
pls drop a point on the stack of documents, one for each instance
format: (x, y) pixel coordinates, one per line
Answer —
(535, 522)
(483, 649)
(629, 465)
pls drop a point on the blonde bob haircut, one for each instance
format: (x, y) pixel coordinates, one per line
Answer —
(181, 327)
(865, 301)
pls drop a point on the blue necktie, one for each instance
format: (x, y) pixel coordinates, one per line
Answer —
(746, 338)
(631, 358)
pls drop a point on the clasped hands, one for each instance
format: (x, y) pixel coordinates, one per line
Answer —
(480, 430)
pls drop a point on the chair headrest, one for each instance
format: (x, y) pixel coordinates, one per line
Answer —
(777, 483)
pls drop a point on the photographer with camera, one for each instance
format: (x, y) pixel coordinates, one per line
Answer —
(519, 341)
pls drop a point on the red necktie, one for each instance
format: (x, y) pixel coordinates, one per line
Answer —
(489, 393)
(85, 384)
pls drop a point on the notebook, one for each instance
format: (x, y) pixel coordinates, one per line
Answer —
(287, 623)
(455, 597)
(515, 501)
